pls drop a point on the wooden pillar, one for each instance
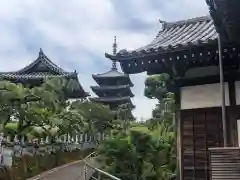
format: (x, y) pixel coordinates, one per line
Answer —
(178, 134)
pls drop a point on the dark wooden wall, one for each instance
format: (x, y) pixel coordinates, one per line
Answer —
(200, 129)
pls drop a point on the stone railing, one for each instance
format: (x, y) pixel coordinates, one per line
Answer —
(10, 147)
(92, 169)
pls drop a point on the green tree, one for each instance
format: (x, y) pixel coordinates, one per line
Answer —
(139, 154)
(124, 115)
(160, 87)
(99, 118)
(145, 151)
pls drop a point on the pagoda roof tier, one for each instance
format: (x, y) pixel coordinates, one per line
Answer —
(118, 88)
(109, 100)
(41, 69)
(112, 74)
(173, 38)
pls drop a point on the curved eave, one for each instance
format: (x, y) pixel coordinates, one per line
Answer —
(225, 14)
(79, 87)
(103, 88)
(119, 100)
(138, 63)
(173, 39)
(110, 99)
(98, 78)
(44, 61)
(99, 89)
(156, 52)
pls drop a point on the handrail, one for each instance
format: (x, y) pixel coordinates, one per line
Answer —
(96, 169)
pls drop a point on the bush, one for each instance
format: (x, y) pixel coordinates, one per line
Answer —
(29, 166)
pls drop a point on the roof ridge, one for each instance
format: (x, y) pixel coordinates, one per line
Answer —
(42, 58)
(167, 25)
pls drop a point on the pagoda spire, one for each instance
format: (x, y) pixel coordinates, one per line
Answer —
(114, 63)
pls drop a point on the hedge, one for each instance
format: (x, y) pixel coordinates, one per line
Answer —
(29, 166)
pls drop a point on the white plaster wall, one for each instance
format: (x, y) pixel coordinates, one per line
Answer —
(203, 96)
(237, 91)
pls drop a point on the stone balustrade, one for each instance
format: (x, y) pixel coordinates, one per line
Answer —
(13, 146)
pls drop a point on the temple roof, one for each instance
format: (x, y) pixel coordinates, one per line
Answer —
(43, 68)
(225, 14)
(175, 36)
(42, 64)
(33, 76)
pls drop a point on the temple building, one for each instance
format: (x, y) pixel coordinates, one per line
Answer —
(113, 86)
(208, 101)
(42, 69)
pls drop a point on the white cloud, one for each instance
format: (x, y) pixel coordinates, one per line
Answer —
(75, 34)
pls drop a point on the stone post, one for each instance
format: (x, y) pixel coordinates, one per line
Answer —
(64, 138)
(1, 148)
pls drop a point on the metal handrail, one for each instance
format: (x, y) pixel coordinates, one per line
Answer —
(99, 171)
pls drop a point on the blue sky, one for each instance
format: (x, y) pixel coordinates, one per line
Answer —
(75, 34)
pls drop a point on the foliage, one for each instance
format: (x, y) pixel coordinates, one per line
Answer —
(145, 150)
(97, 116)
(29, 166)
(124, 112)
(46, 108)
(160, 87)
(139, 154)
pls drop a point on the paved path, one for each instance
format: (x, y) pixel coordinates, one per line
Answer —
(72, 171)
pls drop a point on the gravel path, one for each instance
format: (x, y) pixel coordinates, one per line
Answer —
(72, 171)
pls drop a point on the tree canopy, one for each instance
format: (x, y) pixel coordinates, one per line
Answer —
(145, 150)
(45, 109)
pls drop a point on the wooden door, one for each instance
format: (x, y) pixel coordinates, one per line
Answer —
(200, 129)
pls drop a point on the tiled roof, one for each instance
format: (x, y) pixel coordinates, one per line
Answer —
(117, 100)
(110, 87)
(111, 73)
(111, 99)
(42, 63)
(43, 68)
(176, 35)
(117, 89)
(225, 14)
(36, 75)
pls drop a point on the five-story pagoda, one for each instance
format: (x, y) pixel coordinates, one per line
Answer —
(113, 86)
